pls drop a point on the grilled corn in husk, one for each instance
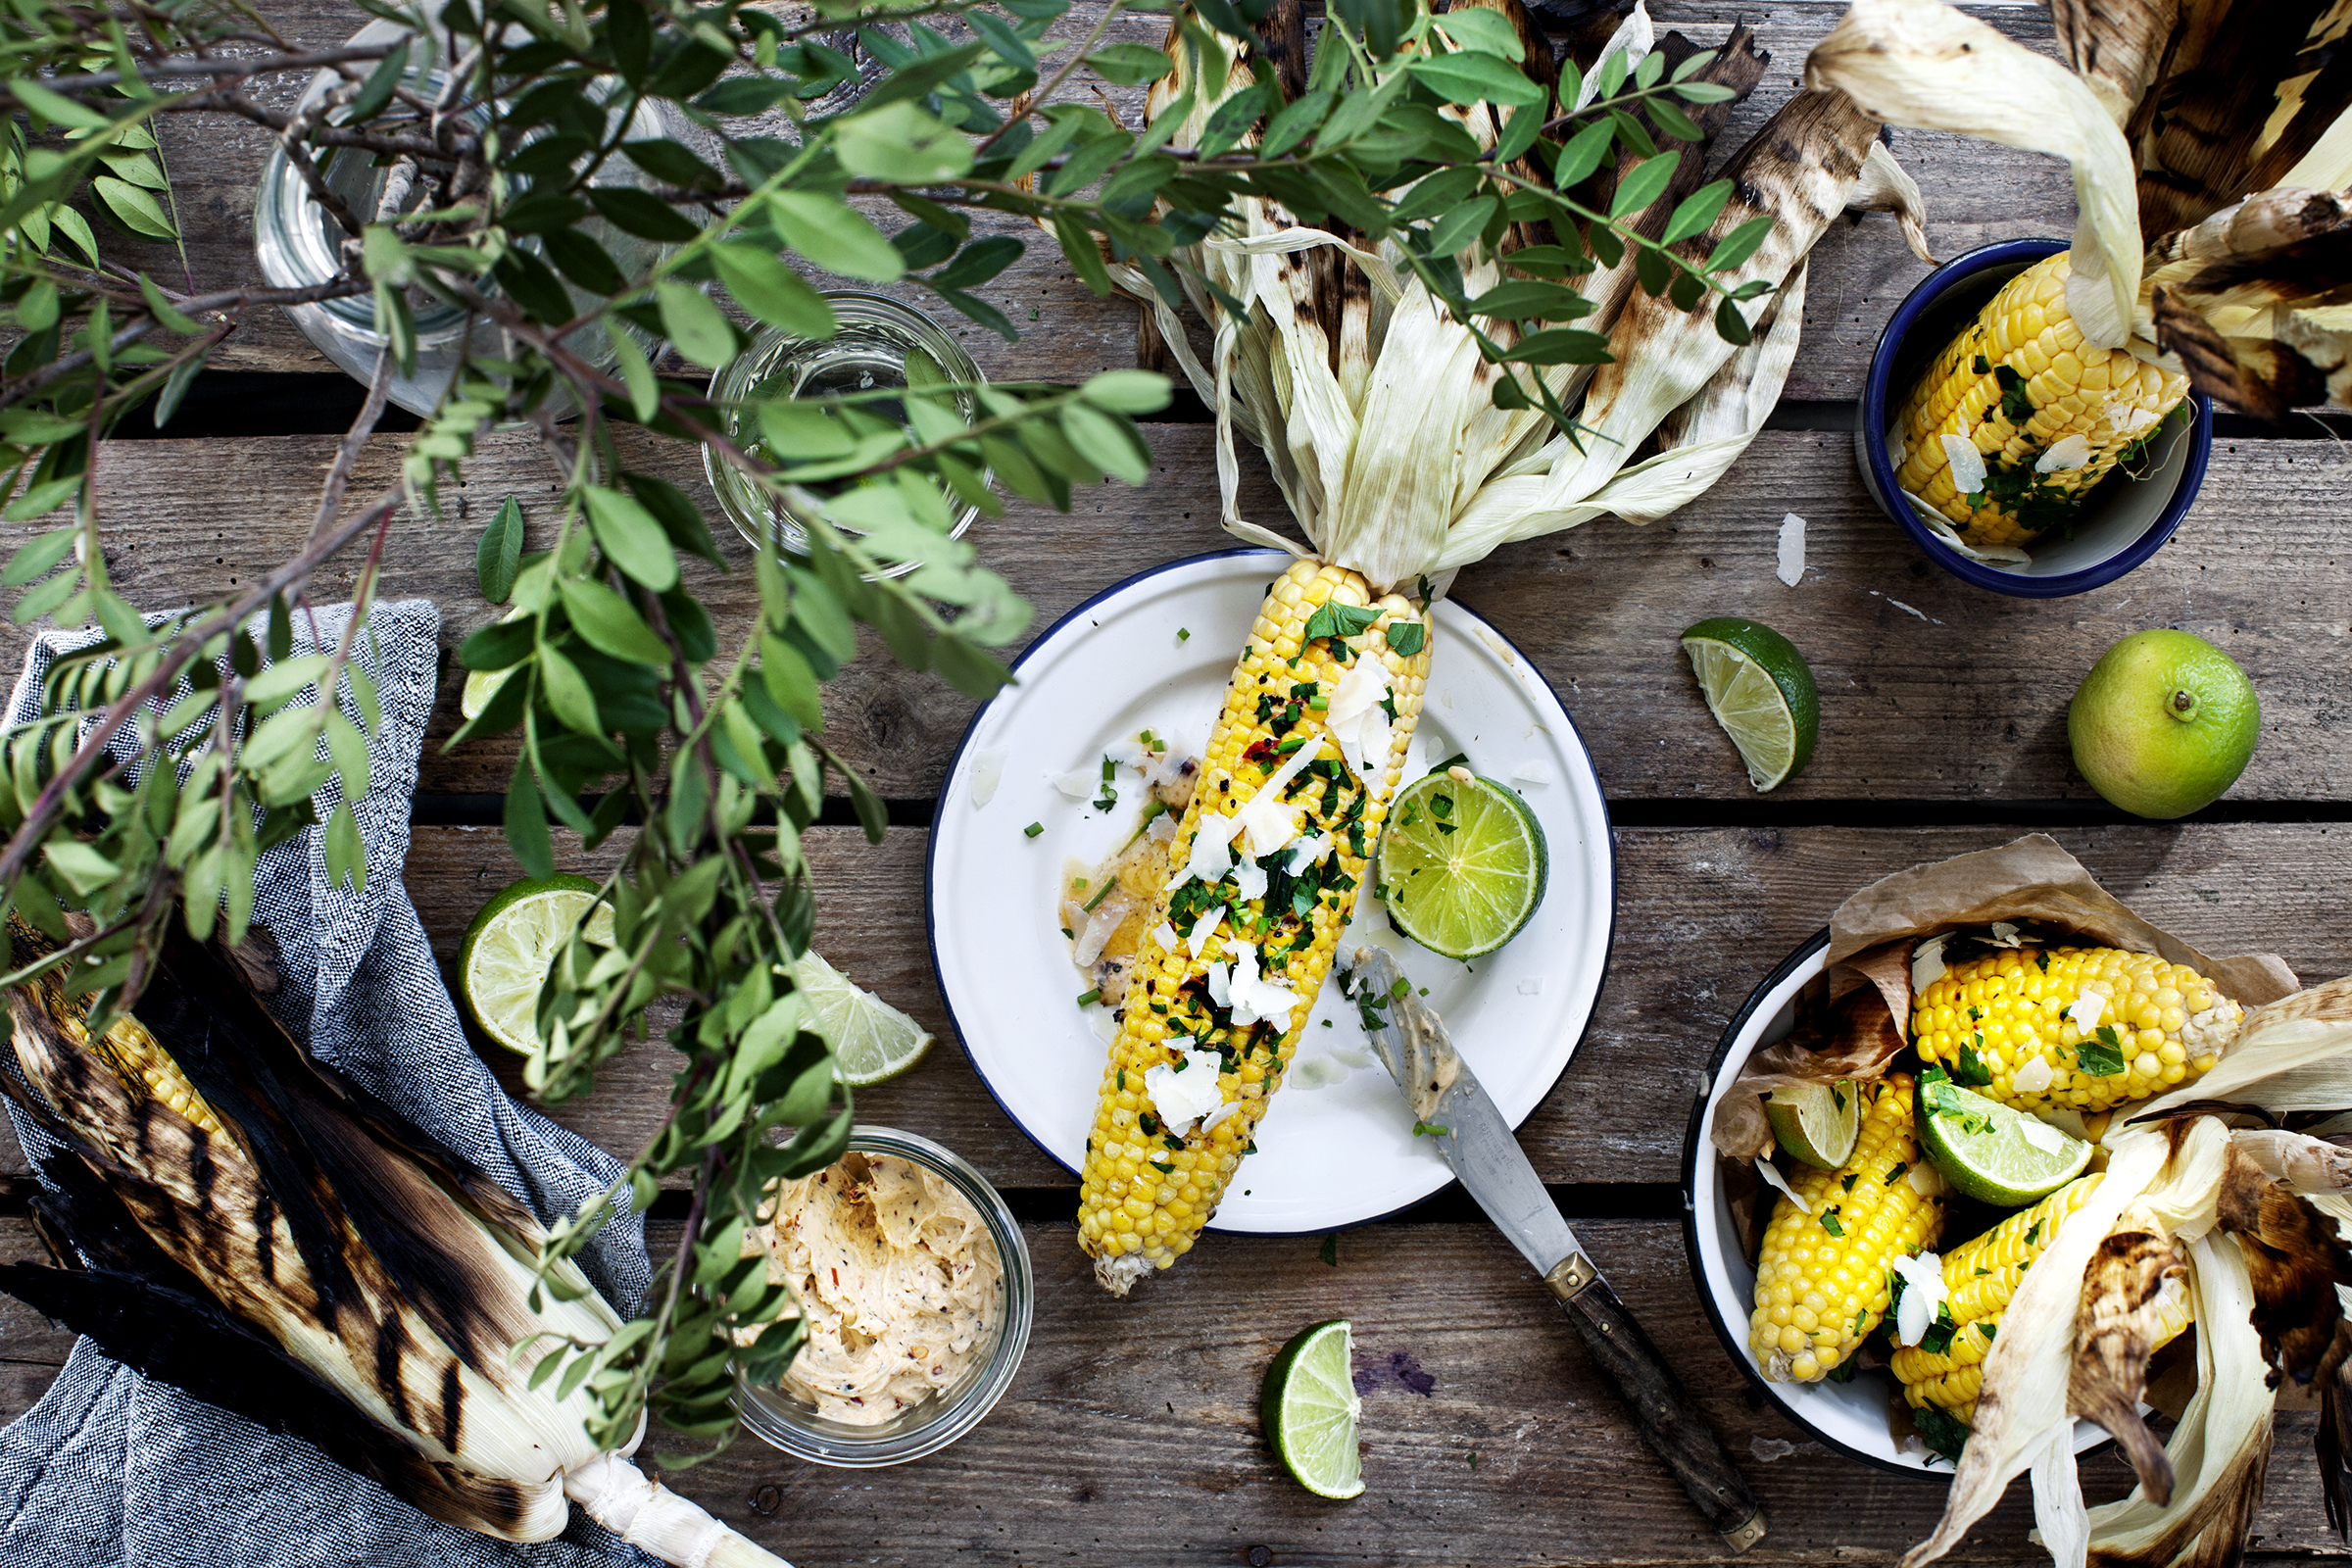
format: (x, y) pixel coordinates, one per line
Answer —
(238, 1221)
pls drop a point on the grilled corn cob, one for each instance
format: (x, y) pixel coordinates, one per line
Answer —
(1272, 910)
(2048, 413)
(2082, 1028)
(1821, 1280)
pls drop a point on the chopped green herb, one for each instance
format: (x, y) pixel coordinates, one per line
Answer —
(2102, 1058)
(2033, 1234)
(1838, 1096)
(1849, 1182)
(1986, 1326)
(1331, 1251)
(1400, 988)
(1032, 830)
(1937, 1341)
(1430, 1128)
(1971, 1069)
(1896, 1174)
(1183, 636)
(1984, 365)
(1406, 637)
(2043, 960)
(1844, 1371)
(1943, 1432)
(1087, 999)
(1831, 1223)
(1163, 1168)
(1333, 619)
(1100, 894)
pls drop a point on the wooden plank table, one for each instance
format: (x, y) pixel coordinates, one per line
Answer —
(1131, 1434)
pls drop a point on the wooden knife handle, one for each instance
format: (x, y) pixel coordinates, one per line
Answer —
(1670, 1422)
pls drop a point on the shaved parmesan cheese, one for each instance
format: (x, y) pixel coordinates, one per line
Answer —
(1203, 929)
(1267, 822)
(988, 772)
(1532, 986)
(2130, 419)
(1922, 1294)
(1927, 963)
(2066, 453)
(1255, 998)
(1221, 1115)
(1968, 463)
(1936, 523)
(2033, 1078)
(1165, 935)
(2084, 1013)
(2041, 1133)
(1105, 1024)
(1249, 878)
(1924, 1181)
(1792, 550)
(1774, 1179)
(1307, 851)
(1182, 1097)
(2004, 934)
(1126, 754)
(1356, 719)
(1211, 853)
(1220, 983)
(1079, 782)
(1537, 771)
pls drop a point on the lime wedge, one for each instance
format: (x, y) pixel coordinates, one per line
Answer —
(483, 684)
(1309, 1406)
(1462, 863)
(1818, 1123)
(871, 1039)
(1998, 1156)
(1761, 691)
(510, 947)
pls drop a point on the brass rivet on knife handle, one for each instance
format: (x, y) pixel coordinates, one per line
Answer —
(1671, 1423)
(1569, 1277)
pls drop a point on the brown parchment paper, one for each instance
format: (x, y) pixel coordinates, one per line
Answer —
(1851, 1022)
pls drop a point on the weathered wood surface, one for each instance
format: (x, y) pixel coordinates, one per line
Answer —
(1131, 1435)
(1930, 689)
(1976, 193)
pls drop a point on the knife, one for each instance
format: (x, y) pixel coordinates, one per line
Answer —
(1469, 1131)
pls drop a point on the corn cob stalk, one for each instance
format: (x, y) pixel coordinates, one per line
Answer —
(2072, 1028)
(1162, 1150)
(2046, 412)
(268, 1238)
(1822, 1279)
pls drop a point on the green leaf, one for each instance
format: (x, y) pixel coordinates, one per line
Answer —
(1127, 391)
(1583, 155)
(979, 262)
(679, 517)
(583, 262)
(1006, 44)
(282, 627)
(826, 231)
(1674, 122)
(1085, 254)
(642, 213)
(636, 373)
(630, 537)
(610, 625)
(700, 329)
(376, 91)
(79, 867)
(1295, 124)
(897, 141)
(1696, 211)
(166, 314)
(1105, 441)
(1458, 228)
(1521, 300)
(1560, 345)
(1130, 65)
(1473, 76)
(2101, 1056)
(1741, 243)
(566, 692)
(526, 824)
(134, 209)
(1406, 637)
(1704, 93)
(55, 107)
(1730, 325)
(1645, 184)
(1476, 27)
(1231, 120)
(284, 677)
(346, 852)
(791, 682)
(36, 556)
(43, 499)
(498, 556)
(772, 291)
(670, 163)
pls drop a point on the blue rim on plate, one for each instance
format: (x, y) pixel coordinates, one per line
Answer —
(1877, 472)
(1605, 838)
(1698, 1147)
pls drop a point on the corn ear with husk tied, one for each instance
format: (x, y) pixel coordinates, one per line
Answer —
(230, 1217)
(2203, 1185)
(2205, 138)
(1411, 364)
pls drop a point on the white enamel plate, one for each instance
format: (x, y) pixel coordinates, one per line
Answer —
(1338, 1146)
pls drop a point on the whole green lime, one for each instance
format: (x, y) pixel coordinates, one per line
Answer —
(2164, 724)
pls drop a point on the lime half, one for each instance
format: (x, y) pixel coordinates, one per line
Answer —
(871, 1039)
(1761, 691)
(1309, 1408)
(1462, 863)
(1818, 1123)
(1998, 1156)
(512, 944)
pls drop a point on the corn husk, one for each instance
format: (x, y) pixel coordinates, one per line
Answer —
(267, 1236)
(2179, 117)
(1375, 408)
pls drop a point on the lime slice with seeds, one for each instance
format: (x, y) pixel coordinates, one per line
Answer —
(1761, 691)
(1462, 863)
(871, 1039)
(1818, 1123)
(1998, 1156)
(510, 947)
(1309, 1406)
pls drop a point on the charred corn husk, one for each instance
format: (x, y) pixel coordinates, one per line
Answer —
(1264, 866)
(247, 1226)
(1979, 1279)
(2080, 1028)
(2046, 412)
(1822, 1279)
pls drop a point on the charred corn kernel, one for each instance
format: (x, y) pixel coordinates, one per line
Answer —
(1979, 1280)
(2020, 384)
(1148, 1187)
(1822, 1279)
(2086, 1028)
(129, 1049)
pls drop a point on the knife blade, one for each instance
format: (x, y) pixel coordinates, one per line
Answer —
(1454, 1112)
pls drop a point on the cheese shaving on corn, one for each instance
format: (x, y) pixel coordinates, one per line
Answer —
(1923, 1293)
(1182, 1097)
(1356, 719)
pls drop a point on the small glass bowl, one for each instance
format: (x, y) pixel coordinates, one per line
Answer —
(874, 333)
(795, 1426)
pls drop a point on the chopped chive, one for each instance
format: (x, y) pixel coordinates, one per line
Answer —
(1101, 896)
(1183, 636)
(1087, 999)
(1830, 1222)
(1895, 1175)
(1032, 830)
(1851, 1179)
